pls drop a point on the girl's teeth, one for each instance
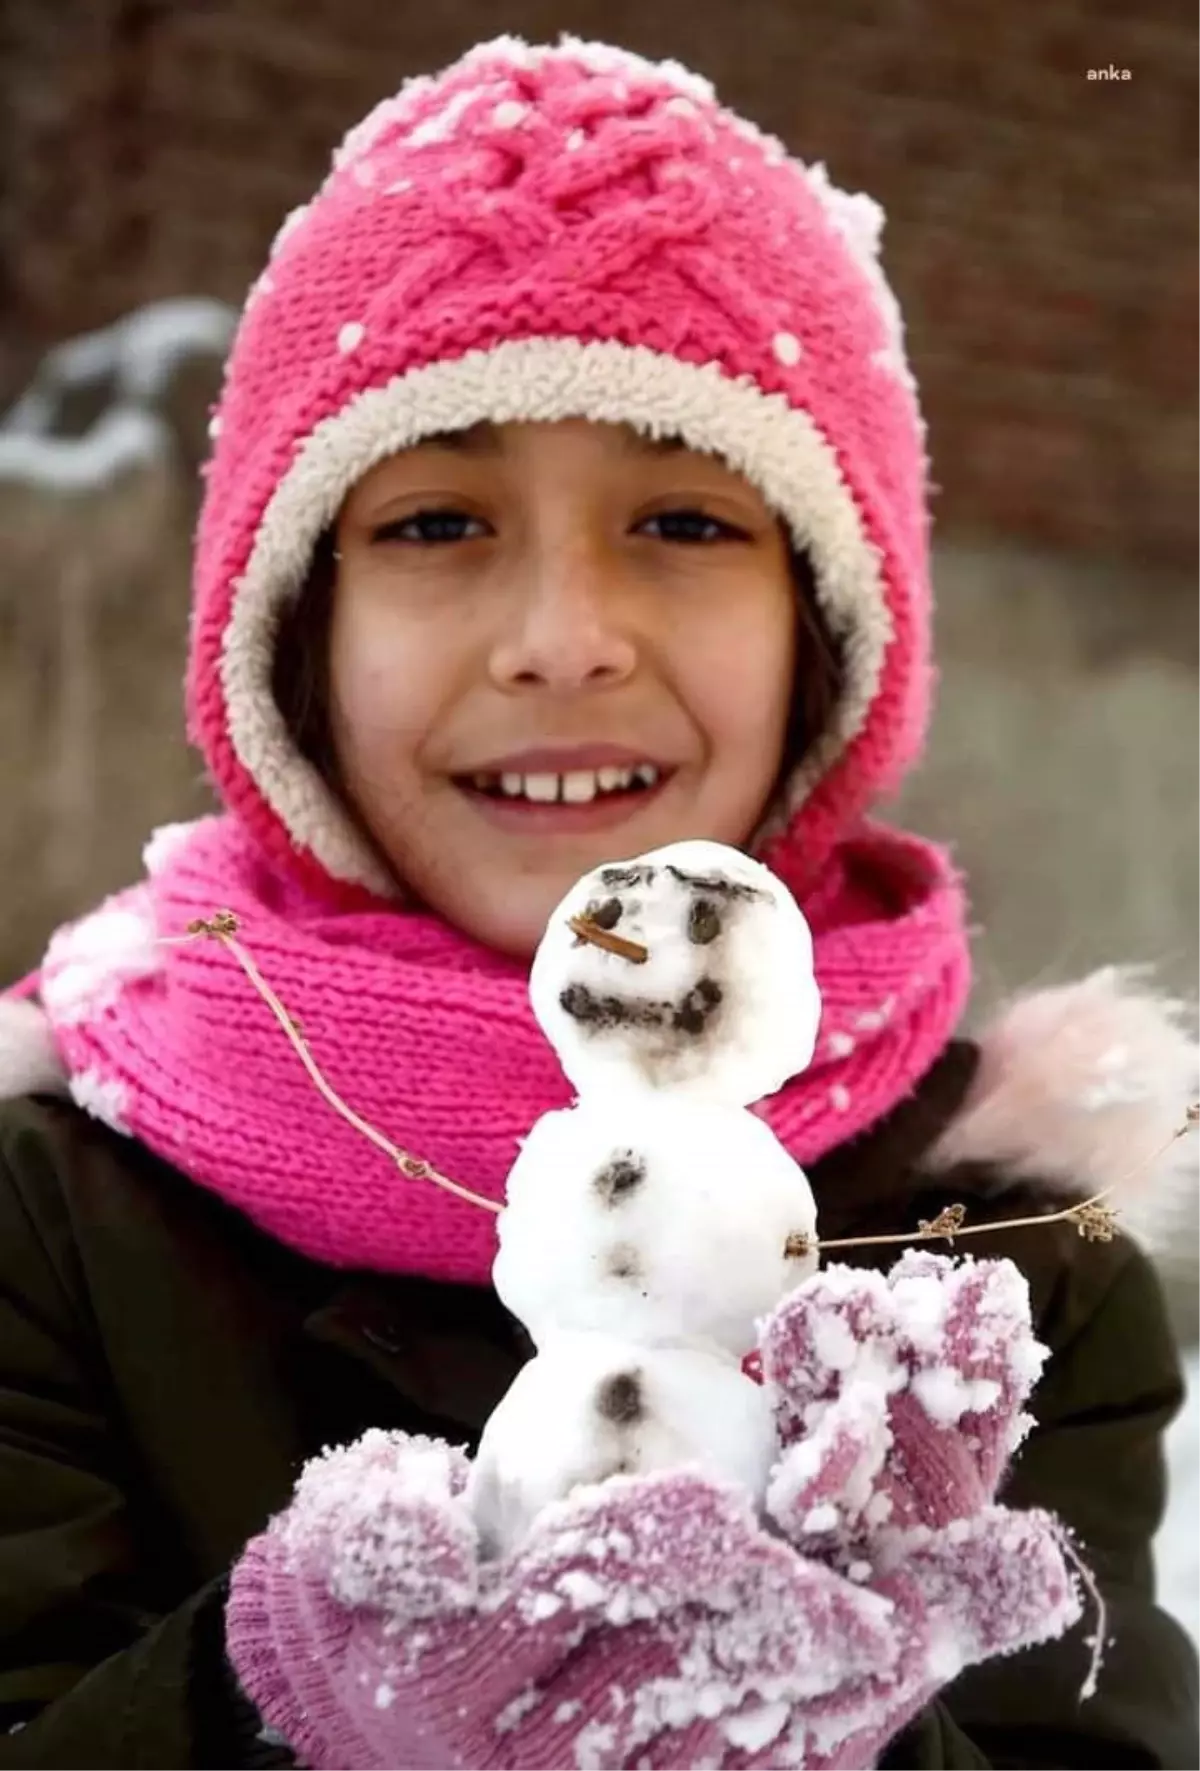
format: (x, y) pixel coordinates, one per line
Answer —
(577, 787)
(580, 787)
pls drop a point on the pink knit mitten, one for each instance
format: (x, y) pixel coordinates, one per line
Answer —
(899, 1402)
(645, 1621)
(653, 1620)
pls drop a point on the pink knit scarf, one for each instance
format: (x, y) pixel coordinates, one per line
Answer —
(430, 1037)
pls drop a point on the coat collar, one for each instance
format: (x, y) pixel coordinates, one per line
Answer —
(450, 1351)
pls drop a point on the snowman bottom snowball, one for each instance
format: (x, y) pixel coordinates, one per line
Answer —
(590, 1407)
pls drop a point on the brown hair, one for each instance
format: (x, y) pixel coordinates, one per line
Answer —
(300, 672)
(300, 667)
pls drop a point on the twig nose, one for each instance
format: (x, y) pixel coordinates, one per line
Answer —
(587, 932)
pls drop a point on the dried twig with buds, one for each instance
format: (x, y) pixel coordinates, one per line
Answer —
(947, 1223)
(1095, 1220)
(223, 927)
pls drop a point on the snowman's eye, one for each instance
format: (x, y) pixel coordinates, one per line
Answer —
(704, 922)
(606, 915)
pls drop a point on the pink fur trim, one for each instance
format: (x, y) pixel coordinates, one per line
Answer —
(1080, 1087)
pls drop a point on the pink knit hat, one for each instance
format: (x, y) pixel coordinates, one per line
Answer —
(544, 233)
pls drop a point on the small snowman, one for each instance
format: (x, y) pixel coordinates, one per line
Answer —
(649, 1226)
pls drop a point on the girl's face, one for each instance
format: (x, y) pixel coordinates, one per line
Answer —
(523, 614)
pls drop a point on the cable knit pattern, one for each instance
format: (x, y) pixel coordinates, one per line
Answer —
(432, 1038)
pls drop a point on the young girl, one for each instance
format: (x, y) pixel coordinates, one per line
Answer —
(567, 499)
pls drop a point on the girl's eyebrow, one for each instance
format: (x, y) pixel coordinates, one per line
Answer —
(484, 439)
(477, 439)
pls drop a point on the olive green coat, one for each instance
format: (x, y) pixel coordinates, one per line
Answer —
(165, 1370)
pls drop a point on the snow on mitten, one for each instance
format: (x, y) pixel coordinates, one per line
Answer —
(981, 1588)
(899, 1401)
(898, 1397)
(644, 1620)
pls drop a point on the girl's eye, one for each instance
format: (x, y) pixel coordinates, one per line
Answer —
(693, 526)
(431, 528)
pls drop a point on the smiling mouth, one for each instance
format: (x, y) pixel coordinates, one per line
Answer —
(578, 787)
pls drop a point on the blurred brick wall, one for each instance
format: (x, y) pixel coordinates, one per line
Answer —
(1042, 227)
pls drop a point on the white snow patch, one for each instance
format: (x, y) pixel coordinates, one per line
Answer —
(371, 1505)
(582, 1589)
(123, 439)
(593, 1745)
(140, 352)
(105, 1097)
(288, 225)
(753, 1730)
(922, 1301)
(871, 1020)
(29, 1058)
(515, 1712)
(946, 1395)
(137, 358)
(442, 125)
(1177, 1556)
(89, 963)
(834, 1343)
(878, 1509)
(165, 843)
(824, 1518)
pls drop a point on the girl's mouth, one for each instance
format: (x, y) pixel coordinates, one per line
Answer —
(584, 799)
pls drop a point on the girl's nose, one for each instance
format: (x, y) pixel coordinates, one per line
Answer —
(567, 627)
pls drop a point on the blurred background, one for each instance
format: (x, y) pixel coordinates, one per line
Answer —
(1041, 237)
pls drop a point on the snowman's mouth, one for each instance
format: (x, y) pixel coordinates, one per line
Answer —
(606, 1012)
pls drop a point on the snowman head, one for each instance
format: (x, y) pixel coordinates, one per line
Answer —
(706, 985)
